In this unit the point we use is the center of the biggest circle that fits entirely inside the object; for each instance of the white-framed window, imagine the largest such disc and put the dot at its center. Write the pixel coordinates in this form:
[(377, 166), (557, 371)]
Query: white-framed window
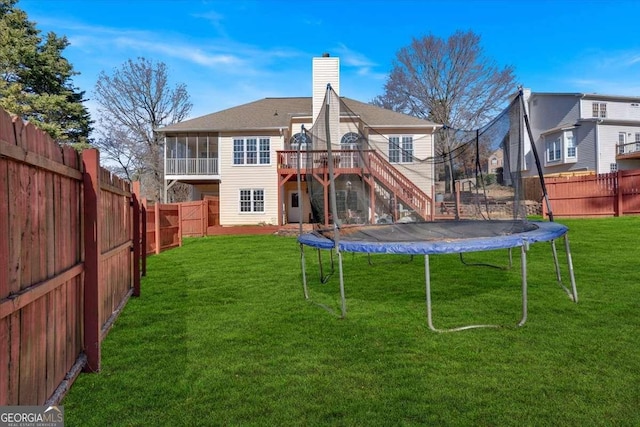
[(599, 110), (613, 167), (400, 149), (570, 146), (622, 140), (251, 151), (351, 140), (301, 140), (554, 150), (251, 200)]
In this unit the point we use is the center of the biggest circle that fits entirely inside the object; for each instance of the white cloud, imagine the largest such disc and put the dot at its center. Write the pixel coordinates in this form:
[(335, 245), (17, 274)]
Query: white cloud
[(184, 51)]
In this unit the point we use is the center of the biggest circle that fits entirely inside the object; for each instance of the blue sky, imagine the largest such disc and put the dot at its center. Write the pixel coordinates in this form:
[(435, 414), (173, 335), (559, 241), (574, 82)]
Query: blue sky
[(232, 52)]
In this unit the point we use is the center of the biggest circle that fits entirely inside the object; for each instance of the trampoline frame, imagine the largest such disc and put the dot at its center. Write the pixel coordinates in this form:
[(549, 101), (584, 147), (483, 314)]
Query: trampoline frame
[(549, 231)]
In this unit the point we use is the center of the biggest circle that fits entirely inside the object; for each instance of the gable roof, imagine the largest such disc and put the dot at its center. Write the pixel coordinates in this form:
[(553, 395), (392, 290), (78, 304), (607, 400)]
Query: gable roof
[(276, 113), (590, 96)]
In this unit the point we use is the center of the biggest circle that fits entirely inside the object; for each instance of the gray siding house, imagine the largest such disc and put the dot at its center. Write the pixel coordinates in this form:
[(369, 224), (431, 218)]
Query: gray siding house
[(576, 132)]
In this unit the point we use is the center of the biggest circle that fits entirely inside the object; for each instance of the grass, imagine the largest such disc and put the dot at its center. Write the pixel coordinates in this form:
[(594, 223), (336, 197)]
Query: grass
[(223, 336)]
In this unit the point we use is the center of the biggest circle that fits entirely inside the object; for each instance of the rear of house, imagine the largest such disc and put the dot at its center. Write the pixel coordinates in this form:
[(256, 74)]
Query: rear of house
[(246, 156)]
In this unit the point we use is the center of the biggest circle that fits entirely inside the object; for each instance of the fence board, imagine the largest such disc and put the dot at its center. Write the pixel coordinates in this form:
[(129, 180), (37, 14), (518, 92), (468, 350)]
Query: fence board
[(4, 231)]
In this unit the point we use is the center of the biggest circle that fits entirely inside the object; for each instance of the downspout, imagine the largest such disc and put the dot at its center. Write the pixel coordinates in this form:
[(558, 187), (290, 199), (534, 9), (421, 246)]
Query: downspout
[(597, 144), (164, 172)]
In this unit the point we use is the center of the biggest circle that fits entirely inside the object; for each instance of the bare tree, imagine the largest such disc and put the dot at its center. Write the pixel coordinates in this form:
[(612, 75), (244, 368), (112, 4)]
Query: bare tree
[(450, 82), (134, 101)]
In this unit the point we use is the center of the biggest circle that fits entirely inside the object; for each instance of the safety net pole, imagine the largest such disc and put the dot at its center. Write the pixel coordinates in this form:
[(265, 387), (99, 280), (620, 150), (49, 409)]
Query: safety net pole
[(536, 157)]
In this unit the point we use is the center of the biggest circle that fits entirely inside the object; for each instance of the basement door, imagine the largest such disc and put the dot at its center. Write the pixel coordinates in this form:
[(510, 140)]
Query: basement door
[(293, 207)]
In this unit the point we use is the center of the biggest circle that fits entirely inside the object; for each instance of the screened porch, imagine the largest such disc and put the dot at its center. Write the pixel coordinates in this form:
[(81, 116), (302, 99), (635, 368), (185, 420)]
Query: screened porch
[(191, 155)]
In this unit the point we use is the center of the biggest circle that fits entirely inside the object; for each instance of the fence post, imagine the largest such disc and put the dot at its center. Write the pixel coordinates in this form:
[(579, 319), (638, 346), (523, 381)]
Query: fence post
[(92, 238), (619, 209), (179, 224), (157, 226), (143, 243), (205, 215), (135, 205)]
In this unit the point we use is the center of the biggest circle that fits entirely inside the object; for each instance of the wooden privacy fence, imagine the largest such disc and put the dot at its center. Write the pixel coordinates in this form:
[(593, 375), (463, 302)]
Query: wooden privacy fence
[(610, 194), (69, 260), (163, 227), (173, 221)]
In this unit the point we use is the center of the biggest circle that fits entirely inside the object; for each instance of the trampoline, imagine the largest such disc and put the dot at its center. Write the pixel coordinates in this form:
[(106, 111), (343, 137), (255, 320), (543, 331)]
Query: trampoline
[(378, 194), (445, 237)]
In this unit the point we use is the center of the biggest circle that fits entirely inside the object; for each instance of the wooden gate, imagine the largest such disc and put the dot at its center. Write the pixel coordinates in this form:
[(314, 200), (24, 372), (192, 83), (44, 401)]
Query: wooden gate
[(213, 213)]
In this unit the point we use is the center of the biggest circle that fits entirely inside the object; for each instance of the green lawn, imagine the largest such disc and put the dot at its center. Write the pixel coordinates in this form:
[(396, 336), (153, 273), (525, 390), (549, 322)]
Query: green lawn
[(222, 335)]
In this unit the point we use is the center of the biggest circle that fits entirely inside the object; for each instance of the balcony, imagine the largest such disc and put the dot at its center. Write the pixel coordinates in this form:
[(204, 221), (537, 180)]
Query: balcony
[(630, 150), (196, 167)]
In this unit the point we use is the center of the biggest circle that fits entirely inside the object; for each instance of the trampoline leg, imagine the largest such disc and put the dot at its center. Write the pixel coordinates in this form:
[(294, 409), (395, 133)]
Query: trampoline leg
[(510, 258), (555, 260), (574, 290), (523, 267), (571, 293), (427, 277), (342, 297), (304, 272)]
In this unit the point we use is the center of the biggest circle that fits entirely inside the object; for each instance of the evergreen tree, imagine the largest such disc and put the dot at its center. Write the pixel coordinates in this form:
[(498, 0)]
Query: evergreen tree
[(35, 79)]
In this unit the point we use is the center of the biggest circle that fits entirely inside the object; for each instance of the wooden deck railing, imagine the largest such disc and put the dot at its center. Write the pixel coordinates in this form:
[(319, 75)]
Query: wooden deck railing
[(631, 149), (384, 172)]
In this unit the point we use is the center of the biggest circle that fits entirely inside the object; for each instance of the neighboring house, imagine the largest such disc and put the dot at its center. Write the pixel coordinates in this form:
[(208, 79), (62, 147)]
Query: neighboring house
[(495, 161), (584, 132), (246, 155)]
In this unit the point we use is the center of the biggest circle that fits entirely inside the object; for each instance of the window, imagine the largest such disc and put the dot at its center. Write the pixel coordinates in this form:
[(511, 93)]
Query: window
[(265, 151), (603, 111), (622, 140), (251, 151), (251, 200), (301, 140), (554, 150), (599, 110), (350, 139), (613, 167), (400, 149), (570, 146)]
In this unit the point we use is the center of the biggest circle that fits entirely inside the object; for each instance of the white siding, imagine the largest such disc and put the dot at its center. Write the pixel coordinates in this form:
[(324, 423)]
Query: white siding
[(420, 173), (236, 177), (616, 110), (607, 141), (325, 70)]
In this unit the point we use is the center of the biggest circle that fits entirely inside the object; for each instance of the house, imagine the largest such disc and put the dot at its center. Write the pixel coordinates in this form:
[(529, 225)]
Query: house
[(495, 161), (576, 132), (247, 156)]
